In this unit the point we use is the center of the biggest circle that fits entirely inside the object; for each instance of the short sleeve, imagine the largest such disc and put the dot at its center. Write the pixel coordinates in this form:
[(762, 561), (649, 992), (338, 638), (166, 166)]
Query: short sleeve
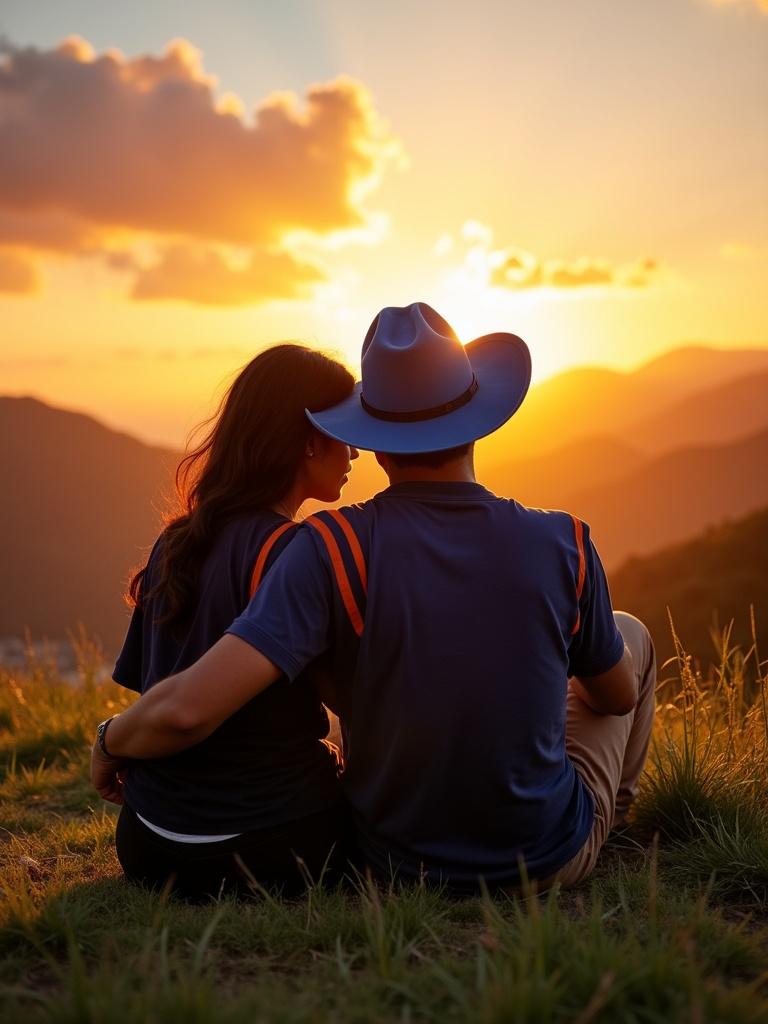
[(129, 662), (598, 645), (289, 618)]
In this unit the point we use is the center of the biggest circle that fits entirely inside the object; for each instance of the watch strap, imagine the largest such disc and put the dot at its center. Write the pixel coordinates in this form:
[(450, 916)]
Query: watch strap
[(101, 735)]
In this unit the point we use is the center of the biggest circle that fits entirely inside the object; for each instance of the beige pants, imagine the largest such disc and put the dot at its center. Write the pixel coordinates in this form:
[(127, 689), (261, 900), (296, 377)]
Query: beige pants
[(609, 752)]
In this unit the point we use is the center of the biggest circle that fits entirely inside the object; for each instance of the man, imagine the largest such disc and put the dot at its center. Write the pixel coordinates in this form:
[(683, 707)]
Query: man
[(493, 715)]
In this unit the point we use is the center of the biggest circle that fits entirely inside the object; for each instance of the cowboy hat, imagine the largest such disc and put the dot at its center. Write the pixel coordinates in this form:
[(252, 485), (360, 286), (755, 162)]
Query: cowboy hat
[(422, 390)]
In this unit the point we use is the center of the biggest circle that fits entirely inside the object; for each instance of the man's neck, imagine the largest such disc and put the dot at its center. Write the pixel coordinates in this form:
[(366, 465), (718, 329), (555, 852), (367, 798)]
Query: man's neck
[(458, 471)]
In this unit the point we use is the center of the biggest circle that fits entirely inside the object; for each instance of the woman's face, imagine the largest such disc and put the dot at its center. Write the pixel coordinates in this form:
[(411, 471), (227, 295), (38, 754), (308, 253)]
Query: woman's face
[(328, 466)]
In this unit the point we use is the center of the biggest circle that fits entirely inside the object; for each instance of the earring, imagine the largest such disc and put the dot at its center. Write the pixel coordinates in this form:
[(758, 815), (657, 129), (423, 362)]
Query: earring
[(310, 452)]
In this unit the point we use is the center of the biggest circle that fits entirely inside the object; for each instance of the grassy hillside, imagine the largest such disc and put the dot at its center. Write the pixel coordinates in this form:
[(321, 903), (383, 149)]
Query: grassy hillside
[(672, 928), (706, 583)]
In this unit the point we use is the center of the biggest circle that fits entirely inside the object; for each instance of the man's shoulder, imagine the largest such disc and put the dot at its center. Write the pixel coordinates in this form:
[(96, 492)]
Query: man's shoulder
[(359, 513), (545, 520)]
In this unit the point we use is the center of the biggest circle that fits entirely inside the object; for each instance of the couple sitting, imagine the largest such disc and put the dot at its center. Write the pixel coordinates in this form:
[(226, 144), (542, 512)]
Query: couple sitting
[(495, 711)]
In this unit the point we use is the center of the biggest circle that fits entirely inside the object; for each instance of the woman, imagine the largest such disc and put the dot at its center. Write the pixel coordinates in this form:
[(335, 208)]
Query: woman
[(258, 800)]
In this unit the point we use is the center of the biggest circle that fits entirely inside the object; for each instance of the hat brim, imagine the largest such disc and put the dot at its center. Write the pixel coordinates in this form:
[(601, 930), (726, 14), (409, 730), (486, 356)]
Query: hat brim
[(502, 366)]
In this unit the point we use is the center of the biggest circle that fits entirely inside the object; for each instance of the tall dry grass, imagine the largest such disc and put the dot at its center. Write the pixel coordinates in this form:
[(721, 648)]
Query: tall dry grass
[(705, 791)]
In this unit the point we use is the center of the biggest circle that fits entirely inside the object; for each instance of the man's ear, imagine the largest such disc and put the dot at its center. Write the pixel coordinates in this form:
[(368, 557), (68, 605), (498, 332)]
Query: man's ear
[(384, 461)]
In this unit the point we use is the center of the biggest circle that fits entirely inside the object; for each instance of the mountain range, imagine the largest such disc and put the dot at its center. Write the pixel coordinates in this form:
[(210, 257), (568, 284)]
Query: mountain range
[(80, 505), (703, 585), (649, 458)]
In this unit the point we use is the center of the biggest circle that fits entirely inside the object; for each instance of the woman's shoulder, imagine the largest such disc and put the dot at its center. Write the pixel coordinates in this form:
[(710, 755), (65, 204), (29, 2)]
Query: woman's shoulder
[(245, 538)]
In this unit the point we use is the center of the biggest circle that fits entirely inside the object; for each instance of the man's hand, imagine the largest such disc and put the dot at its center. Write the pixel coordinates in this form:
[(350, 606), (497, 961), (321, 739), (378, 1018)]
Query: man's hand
[(614, 692), (107, 775)]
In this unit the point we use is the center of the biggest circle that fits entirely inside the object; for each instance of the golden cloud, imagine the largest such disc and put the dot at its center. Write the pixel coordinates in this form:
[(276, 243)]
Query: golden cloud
[(52, 231), (18, 276), (97, 144), (516, 268), (206, 276), (744, 252)]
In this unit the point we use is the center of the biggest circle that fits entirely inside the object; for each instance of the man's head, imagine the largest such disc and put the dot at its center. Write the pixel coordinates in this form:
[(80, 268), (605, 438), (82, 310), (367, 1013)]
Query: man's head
[(422, 391), (451, 464), (428, 460)]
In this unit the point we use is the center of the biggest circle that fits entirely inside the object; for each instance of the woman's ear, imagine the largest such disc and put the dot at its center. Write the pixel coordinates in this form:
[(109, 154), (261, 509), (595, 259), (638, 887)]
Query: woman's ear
[(314, 444)]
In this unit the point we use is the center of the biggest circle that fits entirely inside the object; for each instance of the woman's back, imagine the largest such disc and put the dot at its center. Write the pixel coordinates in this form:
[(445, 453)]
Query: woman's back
[(264, 766), (258, 798)]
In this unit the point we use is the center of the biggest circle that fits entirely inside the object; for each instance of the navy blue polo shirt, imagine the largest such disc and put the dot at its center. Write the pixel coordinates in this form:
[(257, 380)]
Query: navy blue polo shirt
[(454, 697), (264, 766)]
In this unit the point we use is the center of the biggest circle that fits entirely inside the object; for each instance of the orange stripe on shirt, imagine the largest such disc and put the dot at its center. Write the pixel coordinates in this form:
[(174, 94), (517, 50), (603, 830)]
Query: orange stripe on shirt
[(340, 572), (354, 545), (578, 527), (261, 561)]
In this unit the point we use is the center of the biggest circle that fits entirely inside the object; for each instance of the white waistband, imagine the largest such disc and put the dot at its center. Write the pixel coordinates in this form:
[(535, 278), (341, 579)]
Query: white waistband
[(181, 837)]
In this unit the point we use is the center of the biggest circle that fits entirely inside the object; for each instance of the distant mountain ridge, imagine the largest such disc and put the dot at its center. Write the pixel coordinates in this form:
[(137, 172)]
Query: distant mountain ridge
[(678, 494), (593, 401), (722, 412), (82, 503), (705, 582)]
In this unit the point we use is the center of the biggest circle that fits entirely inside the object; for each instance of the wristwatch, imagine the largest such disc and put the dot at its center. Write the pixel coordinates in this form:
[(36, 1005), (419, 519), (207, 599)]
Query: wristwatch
[(101, 733)]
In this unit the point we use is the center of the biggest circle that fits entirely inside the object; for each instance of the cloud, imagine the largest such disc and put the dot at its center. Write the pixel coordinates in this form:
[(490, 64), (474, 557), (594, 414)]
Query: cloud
[(744, 252), (207, 277), (515, 268), (98, 145), (18, 276), (53, 231)]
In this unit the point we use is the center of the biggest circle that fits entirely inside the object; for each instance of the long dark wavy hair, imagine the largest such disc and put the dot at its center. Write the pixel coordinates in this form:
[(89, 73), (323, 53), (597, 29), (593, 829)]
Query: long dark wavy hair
[(248, 458)]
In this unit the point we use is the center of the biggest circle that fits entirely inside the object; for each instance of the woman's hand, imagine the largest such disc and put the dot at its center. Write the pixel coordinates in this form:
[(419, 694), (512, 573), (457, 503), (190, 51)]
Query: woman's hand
[(107, 774)]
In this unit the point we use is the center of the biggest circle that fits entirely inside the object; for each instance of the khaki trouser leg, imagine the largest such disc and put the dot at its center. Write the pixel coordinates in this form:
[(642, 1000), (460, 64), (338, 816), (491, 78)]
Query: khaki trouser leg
[(609, 752)]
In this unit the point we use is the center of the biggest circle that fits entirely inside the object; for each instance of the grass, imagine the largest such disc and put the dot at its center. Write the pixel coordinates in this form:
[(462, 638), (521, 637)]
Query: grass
[(672, 927)]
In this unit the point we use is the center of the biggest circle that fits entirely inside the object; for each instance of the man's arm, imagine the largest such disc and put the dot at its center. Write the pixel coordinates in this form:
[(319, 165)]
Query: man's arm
[(613, 692), (287, 619), (182, 710)]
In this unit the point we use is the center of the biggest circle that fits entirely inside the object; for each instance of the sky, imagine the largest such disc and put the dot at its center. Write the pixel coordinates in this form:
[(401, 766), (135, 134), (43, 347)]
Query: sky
[(183, 183)]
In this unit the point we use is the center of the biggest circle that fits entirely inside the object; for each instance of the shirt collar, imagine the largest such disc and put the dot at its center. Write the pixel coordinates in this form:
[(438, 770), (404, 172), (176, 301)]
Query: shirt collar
[(438, 489)]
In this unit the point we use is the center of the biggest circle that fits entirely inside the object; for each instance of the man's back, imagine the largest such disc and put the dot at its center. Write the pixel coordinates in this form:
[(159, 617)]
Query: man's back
[(454, 696)]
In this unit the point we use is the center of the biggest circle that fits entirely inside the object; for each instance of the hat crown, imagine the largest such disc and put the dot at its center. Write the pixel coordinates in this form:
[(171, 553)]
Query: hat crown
[(412, 360)]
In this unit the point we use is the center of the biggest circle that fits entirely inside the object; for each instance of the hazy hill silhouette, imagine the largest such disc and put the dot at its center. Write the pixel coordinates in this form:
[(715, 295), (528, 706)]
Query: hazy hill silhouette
[(82, 502), (716, 414), (588, 426), (705, 581), (80, 505), (675, 496), (545, 480), (699, 366), (597, 402), (633, 504), (548, 479)]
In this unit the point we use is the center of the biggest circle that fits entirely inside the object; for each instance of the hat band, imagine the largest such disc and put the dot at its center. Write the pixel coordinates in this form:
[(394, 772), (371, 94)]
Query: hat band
[(421, 414)]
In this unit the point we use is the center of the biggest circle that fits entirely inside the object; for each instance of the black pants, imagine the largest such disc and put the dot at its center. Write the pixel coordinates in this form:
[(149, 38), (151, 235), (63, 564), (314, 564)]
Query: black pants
[(285, 859)]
